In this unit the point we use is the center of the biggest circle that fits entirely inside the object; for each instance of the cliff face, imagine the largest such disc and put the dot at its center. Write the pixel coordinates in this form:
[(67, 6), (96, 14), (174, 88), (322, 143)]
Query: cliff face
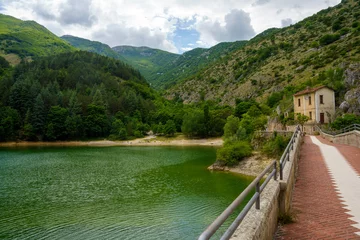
[(351, 103)]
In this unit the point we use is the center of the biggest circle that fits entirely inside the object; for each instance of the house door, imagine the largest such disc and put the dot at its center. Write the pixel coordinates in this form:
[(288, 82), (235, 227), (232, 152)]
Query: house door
[(322, 118)]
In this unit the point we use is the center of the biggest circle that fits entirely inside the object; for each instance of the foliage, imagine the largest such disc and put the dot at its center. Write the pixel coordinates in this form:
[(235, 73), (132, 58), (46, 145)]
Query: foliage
[(301, 119), (275, 146), (170, 128), (193, 124), (345, 121), (328, 39), (232, 152), (27, 38), (231, 127)]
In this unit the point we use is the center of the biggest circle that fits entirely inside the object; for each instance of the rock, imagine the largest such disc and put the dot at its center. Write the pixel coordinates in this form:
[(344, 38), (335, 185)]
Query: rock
[(352, 75), (298, 69), (352, 97), (344, 106), (278, 110)]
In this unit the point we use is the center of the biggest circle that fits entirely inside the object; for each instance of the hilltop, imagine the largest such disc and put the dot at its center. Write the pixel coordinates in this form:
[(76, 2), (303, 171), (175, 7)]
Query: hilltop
[(92, 46), (161, 69), (28, 40)]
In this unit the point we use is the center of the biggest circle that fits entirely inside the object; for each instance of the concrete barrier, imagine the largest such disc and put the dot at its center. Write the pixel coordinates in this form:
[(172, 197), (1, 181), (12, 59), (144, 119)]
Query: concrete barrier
[(275, 199), (350, 138)]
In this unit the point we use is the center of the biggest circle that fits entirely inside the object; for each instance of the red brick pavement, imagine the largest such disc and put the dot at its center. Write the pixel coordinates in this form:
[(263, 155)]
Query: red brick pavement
[(319, 213), (352, 154)]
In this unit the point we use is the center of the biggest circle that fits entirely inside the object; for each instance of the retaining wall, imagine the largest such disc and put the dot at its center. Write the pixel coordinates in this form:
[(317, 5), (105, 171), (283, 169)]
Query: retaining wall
[(350, 138), (275, 199)]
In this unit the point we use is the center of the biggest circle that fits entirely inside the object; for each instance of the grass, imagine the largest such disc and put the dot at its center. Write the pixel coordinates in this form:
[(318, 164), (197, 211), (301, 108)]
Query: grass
[(28, 38)]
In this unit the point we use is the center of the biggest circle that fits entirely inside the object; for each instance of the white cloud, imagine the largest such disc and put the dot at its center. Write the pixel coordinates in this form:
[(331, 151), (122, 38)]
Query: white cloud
[(286, 22), (235, 26), (154, 22), (186, 49)]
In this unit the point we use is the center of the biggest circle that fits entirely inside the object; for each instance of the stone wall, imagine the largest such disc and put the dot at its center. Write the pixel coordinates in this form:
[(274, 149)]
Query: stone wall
[(350, 138), (275, 199)]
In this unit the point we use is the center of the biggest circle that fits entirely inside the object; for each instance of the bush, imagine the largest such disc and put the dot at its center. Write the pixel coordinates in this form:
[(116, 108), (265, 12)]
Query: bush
[(233, 152), (329, 38), (344, 121), (275, 147)]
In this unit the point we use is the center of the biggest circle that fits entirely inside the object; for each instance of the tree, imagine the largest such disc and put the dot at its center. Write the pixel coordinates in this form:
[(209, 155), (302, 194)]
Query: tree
[(193, 124), (38, 115), (96, 122), (56, 127), (231, 127), (170, 128), (27, 132), (301, 119), (118, 129), (233, 152)]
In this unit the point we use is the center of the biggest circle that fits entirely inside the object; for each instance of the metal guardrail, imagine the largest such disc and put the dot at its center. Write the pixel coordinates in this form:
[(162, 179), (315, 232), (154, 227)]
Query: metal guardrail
[(286, 155), (212, 228), (353, 127)]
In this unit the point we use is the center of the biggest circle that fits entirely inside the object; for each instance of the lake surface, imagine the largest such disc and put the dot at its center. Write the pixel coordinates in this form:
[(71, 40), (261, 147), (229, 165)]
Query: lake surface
[(111, 192)]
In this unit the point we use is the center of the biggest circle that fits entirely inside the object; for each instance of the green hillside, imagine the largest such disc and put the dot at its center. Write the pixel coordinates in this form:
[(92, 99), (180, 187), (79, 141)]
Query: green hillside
[(318, 50), (28, 40), (191, 62), (149, 61), (92, 46)]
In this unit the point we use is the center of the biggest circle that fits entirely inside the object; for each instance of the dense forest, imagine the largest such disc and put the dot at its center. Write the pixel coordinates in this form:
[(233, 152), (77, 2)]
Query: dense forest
[(82, 95)]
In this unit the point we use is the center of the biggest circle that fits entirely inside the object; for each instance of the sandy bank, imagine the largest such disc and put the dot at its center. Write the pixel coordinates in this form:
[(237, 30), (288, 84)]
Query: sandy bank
[(251, 166), (147, 141)]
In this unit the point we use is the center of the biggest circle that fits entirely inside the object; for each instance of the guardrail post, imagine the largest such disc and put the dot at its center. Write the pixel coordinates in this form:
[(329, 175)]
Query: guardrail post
[(281, 171), (275, 168), (288, 153), (258, 198)]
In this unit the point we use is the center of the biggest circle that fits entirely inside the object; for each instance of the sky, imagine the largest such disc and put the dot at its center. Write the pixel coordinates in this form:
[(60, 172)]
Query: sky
[(171, 25)]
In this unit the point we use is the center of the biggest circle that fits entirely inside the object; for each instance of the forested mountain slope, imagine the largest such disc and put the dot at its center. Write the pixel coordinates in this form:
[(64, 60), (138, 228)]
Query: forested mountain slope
[(191, 62), (149, 61), (71, 96), (321, 49), (92, 46), (28, 40)]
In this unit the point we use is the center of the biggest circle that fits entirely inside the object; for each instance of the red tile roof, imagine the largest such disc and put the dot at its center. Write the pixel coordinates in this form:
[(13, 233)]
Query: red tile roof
[(309, 90)]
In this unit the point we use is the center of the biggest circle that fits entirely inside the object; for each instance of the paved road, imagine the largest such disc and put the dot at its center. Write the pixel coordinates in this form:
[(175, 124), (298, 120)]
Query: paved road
[(326, 198)]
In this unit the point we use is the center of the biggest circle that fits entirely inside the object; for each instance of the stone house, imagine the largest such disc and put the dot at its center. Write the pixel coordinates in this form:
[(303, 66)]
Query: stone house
[(317, 103)]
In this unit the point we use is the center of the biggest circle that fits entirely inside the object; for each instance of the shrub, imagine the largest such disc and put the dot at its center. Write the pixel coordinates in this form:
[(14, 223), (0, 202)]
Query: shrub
[(233, 152), (275, 147), (329, 38), (344, 121)]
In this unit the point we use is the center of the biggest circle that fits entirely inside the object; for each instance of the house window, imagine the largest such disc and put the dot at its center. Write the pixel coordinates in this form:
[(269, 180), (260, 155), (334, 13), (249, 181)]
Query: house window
[(310, 115), (299, 104), (321, 99), (309, 100)]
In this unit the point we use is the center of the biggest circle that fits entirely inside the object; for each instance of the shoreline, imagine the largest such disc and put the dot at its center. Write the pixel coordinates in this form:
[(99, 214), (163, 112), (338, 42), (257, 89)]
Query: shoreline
[(147, 141), (251, 166)]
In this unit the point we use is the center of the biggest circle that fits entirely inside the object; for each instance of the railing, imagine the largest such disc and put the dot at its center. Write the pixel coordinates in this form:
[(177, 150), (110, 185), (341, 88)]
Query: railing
[(286, 155), (353, 127), (210, 231)]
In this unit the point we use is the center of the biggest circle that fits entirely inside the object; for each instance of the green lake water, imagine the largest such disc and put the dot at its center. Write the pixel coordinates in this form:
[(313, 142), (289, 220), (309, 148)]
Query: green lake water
[(111, 192)]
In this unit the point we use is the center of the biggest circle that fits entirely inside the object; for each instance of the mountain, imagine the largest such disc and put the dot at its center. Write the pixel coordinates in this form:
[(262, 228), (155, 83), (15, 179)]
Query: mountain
[(321, 49), (191, 62), (149, 61), (162, 69), (28, 40), (92, 46)]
